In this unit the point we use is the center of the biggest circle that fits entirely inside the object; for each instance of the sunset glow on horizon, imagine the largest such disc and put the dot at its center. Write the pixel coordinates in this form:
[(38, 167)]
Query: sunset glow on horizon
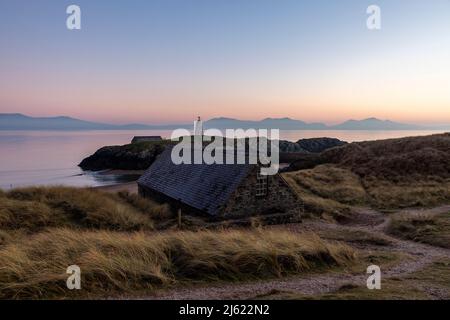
[(165, 61)]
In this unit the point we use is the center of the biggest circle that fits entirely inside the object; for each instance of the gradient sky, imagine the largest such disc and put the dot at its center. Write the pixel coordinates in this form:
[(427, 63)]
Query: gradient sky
[(161, 61)]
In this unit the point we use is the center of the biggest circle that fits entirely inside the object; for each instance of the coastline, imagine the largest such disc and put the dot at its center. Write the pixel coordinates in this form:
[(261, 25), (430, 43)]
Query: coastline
[(130, 187), (121, 172)]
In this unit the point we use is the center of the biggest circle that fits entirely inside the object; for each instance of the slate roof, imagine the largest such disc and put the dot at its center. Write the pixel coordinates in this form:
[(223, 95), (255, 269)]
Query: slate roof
[(201, 186)]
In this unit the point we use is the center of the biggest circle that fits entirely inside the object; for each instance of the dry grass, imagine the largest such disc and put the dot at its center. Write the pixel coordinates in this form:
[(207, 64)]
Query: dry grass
[(358, 237), (436, 274), (395, 159), (324, 207), (391, 289), (385, 194), (30, 215), (5, 237), (331, 188), (331, 182), (385, 174), (156, 211), (416, 286), (36, 208), (426, 228), (117, 263), (45, 230)]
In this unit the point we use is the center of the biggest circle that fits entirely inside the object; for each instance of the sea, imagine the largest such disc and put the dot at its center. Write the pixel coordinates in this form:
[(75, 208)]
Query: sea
[(30, 158)]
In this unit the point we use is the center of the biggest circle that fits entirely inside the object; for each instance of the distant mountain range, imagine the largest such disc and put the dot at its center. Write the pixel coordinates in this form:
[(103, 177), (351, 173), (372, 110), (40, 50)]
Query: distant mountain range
[(17, 121), (281, 123)]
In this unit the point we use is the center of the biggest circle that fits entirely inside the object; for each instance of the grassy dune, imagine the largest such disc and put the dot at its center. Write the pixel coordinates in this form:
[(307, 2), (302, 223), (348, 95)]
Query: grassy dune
[(327, 191), (122, 263), (112, 238), (33, 209), (407, 192), (331, 182), (315, 203), (329, 188), (385, 174), (426, 228)]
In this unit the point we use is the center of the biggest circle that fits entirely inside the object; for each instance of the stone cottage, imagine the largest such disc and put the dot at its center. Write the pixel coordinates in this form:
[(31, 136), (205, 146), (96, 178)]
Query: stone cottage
[(219, 191)]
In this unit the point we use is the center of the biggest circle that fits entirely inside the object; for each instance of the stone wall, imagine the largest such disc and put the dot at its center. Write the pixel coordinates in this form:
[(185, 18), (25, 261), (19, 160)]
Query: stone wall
[(280, 198), (244, 202)]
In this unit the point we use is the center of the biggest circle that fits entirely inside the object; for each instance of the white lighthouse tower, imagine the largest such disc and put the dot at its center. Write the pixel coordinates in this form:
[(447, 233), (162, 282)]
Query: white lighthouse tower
[(198, 127)]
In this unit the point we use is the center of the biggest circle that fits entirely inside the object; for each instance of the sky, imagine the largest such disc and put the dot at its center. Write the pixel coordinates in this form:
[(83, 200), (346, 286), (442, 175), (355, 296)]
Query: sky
[(168, 61)]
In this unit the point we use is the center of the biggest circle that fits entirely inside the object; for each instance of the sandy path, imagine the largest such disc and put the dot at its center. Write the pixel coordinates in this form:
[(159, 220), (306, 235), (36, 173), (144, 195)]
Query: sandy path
[(313, 284)]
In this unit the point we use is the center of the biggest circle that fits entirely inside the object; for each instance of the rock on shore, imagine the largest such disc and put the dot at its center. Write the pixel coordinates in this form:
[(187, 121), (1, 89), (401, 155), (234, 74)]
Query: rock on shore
[(136, 156)]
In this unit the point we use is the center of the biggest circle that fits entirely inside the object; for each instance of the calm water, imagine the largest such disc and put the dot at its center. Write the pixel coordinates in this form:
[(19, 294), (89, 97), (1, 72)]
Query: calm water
[(51, 157)]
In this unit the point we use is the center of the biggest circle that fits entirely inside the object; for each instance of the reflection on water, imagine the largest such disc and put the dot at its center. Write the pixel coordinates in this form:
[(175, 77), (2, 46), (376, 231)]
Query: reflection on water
[(51, 158), (71, 177)]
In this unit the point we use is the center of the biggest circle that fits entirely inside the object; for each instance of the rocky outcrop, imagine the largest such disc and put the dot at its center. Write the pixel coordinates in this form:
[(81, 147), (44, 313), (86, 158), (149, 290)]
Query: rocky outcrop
[(291, 147), (137, 156), (317, 145), (312, 145)]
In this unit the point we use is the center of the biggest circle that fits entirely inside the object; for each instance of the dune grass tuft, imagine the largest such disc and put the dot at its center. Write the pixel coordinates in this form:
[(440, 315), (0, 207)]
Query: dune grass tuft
[(119, 263), (5, 237), (407, 192), (325, 207), (331, 182), (159, 212), (29, 215), (331, 188), (38, 207), (422, 227)]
